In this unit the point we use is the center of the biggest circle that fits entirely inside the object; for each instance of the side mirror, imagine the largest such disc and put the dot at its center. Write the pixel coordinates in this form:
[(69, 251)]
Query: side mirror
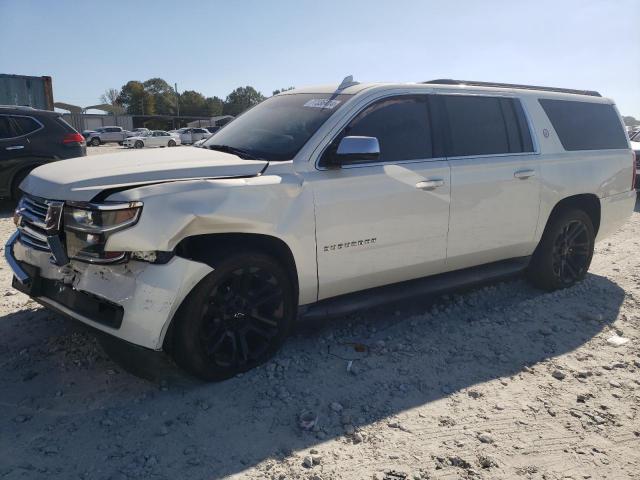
[(357, 150)]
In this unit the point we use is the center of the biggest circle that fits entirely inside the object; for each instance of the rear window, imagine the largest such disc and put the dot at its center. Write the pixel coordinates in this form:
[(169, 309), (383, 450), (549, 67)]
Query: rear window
[(25, 125), (584, 125), (485, 126)]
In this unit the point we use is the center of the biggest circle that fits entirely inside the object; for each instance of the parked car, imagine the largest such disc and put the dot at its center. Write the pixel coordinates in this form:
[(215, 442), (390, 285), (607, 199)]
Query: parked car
[(30, 138), (153, 138), (321, 201), (106, 135), (192, 135)]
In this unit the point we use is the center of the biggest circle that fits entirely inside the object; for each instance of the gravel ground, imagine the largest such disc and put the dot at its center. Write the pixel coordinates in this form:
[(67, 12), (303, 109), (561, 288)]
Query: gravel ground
[(503, 381)]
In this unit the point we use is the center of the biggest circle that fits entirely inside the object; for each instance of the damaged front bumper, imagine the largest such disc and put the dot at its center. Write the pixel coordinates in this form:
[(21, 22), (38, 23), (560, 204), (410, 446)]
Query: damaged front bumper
[(134, 301)]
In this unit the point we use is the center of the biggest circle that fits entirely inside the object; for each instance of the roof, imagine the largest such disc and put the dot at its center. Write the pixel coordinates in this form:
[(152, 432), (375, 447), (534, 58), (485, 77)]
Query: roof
[(457, 85), (24, 109)]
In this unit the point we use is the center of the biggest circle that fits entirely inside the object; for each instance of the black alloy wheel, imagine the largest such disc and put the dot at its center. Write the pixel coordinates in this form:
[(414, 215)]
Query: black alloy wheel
[(235, 318), (242, 317), (564, 253), (571, 253)]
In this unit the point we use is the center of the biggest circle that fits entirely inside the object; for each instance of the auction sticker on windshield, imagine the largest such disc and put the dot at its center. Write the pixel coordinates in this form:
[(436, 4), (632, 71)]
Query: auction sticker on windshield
[(321, 103)]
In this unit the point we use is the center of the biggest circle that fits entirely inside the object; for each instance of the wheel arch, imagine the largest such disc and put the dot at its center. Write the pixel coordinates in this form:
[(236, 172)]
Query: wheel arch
[(206, 248), (587, 202)]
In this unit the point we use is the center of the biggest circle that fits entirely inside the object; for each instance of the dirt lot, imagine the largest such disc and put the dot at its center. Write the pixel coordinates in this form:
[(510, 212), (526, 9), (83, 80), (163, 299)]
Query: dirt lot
[(500, 382)]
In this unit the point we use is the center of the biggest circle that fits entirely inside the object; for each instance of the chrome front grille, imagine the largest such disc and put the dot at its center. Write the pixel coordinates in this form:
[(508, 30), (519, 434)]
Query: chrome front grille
[(33, 223)]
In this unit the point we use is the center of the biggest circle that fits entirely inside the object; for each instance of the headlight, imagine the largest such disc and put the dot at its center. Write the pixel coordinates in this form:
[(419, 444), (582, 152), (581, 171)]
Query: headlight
[(88, 226)]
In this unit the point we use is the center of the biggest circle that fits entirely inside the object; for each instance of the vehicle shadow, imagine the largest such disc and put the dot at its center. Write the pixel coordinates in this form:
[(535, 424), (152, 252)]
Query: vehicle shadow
[(68, 411)]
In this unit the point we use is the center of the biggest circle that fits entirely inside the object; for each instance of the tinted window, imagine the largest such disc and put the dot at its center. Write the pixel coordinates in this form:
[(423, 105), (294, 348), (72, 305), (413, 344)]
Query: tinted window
[(400, 124), (584, 125), (477, 125), (112, 129), (5, 127), (25, 125)]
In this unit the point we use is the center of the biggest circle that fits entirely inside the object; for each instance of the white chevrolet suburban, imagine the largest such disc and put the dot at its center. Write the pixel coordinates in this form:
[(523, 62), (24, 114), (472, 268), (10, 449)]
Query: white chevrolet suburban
[(319, 201)]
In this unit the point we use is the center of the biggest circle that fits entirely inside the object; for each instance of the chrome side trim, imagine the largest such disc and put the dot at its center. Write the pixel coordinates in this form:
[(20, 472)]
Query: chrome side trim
[(20, 274)]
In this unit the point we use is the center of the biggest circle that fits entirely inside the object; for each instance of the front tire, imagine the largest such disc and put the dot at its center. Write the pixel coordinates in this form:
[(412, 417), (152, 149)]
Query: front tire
[(138, 144), (236, 318), (564, 253), (95, 141)]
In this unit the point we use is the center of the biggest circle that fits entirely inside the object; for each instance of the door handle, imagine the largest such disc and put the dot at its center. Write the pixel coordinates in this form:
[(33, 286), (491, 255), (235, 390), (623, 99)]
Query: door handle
[(524, 174), (16, 147), (430, 184)]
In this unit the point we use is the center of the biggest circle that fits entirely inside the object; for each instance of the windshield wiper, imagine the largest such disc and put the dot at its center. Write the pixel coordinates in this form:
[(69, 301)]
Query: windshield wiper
[(234, 151)]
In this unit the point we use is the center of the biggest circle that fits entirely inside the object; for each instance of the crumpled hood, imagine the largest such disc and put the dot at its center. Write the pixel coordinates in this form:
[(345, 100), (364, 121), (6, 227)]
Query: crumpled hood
[(83, 178)]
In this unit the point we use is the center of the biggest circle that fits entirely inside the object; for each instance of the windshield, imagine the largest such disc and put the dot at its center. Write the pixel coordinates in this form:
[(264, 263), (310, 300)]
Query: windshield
[(277, 128)]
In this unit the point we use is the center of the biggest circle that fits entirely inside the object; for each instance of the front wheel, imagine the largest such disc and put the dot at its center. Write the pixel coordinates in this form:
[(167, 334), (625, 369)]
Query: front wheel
[(138, 144), (565, 251), (95, 141), (235, 318)]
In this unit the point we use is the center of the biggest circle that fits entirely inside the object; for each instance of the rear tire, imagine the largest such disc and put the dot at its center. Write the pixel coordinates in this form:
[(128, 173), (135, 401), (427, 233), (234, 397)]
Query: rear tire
[(564, 253), (236, 318), (171, 143)]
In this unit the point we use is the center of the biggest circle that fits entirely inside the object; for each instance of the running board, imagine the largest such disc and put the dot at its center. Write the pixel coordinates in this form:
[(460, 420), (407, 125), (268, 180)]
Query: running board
[(435, 284)]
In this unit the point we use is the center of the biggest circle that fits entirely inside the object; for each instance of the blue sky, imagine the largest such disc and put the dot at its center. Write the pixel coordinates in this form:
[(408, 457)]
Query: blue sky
[(215, 46)]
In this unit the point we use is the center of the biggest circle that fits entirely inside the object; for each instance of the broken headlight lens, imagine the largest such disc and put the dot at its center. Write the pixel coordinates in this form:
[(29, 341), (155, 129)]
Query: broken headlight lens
[(88, 226)]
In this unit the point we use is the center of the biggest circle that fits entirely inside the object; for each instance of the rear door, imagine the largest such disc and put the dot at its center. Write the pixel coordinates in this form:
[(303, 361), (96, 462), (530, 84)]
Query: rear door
[(495, 187)]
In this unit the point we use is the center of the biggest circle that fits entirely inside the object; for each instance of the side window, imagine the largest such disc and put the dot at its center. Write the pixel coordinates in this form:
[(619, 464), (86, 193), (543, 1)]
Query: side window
[(401, 125), (25, 125), (477, 125), (585, 125), (5, 128)]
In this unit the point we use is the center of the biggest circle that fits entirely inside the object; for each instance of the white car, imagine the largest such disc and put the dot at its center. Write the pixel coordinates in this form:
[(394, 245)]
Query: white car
[(321, 201), (192, 135), (153, 138)]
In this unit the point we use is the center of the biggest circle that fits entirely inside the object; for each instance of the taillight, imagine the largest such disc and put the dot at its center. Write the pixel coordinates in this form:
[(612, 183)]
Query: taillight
[(72, 138)]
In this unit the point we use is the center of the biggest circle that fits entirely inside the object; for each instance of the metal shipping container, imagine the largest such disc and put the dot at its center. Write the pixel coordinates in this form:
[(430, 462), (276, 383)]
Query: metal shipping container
[(27, 91)]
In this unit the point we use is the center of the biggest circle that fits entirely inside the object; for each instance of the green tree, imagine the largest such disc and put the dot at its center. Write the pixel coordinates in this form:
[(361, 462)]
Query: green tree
[(280, 90), (192, 103), (163, 94), (135, 99), (241, 99), (214, 106)]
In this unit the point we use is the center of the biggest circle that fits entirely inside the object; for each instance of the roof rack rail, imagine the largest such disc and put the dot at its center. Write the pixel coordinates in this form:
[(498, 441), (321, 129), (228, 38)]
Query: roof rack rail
[(449, 81)]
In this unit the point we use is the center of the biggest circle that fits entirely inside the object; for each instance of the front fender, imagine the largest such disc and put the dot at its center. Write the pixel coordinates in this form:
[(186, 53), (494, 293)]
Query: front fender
[(280, 206)]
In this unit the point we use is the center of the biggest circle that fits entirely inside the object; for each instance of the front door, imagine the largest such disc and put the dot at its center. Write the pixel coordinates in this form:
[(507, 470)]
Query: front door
[(379, 223)]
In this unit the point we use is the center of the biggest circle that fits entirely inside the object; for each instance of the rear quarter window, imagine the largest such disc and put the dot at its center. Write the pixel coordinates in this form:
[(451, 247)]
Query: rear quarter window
[(25, 125), (584, 125)]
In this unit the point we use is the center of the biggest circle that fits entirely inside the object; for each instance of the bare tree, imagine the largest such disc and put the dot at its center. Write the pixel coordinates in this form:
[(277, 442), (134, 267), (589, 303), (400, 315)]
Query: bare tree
[(111, 97)]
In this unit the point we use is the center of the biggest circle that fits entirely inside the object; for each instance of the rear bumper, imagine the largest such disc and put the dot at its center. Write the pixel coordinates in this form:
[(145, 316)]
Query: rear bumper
[(615, 210), (134, 301)]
